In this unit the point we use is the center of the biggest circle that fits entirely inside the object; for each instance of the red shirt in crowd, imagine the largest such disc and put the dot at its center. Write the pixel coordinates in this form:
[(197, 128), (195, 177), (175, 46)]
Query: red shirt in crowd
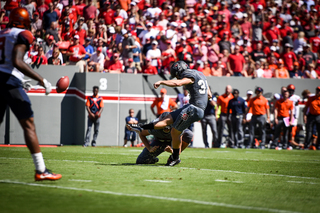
[(82, 33), (115, 66), (150, 70), (77, 50), (75, 12), (41, 9), (89, 12), (80, 8), (11, 4), (315, 41), (288, 59), (236, 62), (44, 59), (108, 16)]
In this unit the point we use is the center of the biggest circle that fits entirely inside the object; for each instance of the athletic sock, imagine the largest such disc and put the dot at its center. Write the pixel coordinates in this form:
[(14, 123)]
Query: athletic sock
[(148, 126), (38, 162), (176, 153)]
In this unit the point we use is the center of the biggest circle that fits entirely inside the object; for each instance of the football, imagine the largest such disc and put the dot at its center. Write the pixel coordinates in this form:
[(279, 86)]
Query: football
[(62, 84)]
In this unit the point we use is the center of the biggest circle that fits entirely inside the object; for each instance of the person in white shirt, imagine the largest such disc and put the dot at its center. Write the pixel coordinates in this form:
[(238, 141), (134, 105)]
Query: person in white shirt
[(148, 33), (171, 34), (258, 73), (155, 55), (97, 61)]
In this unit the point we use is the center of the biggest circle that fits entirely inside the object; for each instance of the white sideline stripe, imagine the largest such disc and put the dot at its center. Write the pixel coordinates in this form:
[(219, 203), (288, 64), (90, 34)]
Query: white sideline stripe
[(80, 180), (210, 170), (228, 181), (155, 197), (301, 182), (159, 181)]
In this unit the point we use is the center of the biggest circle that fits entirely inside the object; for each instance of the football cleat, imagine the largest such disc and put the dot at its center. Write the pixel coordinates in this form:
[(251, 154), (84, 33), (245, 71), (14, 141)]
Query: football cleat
[(172, 162), (93, 143), (134, 127), (46, 175), (289, 148)]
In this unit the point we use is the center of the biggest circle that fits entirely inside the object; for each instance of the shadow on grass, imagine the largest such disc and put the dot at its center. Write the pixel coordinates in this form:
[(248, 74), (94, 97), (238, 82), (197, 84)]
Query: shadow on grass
[(129, 164)]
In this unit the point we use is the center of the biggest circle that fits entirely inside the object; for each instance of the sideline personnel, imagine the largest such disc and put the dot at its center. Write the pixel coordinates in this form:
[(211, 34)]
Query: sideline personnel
[(260, 107), (94, 107)]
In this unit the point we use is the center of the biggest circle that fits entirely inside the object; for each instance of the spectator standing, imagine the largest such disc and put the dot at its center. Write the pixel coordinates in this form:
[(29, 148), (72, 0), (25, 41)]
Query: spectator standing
[(137, 56), (130, 135), (311, 117), (283, 109), (258, 54), (76, 53), (213, 52), (94, 106), (260, 108), (163, 104), (210, 118), (89, 11), (224, 44), (238, 107), (223, 101), (296, 71), (155, 55), (128, 44), (289, 58), (36, 23), (308, 55), (53, 30), (236, 62), (49, 16)]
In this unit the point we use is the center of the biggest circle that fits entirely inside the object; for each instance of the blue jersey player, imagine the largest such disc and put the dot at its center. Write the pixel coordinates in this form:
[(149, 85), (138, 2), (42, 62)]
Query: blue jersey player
[(196, 83)]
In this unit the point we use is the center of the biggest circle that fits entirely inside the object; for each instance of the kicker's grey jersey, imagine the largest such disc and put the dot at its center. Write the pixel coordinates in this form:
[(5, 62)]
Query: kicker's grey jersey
[(198, 90)]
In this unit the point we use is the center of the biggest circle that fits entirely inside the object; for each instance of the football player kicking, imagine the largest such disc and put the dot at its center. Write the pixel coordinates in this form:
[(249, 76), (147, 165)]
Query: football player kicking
[(15, 41), (160, 143), (196, 83)]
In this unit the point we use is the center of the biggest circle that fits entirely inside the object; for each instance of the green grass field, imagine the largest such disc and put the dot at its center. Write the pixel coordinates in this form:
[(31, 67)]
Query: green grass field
[(105, 179)]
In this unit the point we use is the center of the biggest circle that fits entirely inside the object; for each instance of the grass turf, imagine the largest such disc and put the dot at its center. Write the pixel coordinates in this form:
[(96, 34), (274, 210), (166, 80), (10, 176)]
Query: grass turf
[(105, 179)]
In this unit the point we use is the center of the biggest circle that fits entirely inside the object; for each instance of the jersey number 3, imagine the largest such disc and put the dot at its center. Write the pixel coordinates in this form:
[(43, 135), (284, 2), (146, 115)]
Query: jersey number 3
[(203, 87), (2, 44)]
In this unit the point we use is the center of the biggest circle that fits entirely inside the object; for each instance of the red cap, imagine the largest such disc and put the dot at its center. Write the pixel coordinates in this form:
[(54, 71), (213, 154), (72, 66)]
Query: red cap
[(116, 54), (168, 41), (35, 13), (130, 60), (99, 49), (163, 91), (193, 20), (51, 37)]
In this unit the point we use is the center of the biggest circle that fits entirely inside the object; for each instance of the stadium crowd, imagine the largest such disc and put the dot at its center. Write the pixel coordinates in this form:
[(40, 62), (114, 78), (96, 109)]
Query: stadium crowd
[(249, 38)]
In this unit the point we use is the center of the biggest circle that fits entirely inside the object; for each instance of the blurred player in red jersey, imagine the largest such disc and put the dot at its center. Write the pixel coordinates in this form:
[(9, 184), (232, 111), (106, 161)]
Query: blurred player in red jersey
[(14, 43)]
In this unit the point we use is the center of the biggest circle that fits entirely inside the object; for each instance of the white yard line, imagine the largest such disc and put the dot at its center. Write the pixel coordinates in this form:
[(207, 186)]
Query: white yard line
[(80, 180), (229, 181), (301, 182), (154, 197), (210, 170), (159, 181)]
